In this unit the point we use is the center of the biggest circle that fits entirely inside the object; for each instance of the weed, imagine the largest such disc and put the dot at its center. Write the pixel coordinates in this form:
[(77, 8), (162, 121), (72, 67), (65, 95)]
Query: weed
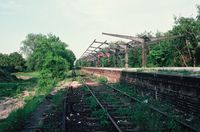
[(92, 102), (15, 88), (16, 118), (102, 115), (142, 115), (123, 111), (84, 89), (109, 98), (102, 80)]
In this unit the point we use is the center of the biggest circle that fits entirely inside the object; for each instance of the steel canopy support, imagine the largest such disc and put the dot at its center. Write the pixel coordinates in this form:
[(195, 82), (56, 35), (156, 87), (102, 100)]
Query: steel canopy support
[(144, 54), (126, 56), (137, 39), (144, 41), (134, 39)]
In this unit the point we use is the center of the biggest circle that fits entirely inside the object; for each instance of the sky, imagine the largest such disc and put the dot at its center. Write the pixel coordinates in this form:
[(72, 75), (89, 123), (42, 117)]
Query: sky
[(79, 22)]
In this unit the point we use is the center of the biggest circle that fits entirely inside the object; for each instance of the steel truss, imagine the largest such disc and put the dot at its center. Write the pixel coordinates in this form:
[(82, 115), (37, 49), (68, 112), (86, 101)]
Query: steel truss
[(119, 48)]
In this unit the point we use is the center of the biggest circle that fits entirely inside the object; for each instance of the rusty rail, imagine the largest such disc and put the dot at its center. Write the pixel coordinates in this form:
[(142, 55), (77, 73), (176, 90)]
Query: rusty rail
[(183, 124), (102, 107)]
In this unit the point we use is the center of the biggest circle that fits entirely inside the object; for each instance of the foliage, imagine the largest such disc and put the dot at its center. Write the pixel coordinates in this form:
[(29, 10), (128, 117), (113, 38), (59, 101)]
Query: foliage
[(49, 56), (15, 88), (38, 47), (135, 58), (92, 102), (160, 55), (56, 66), (58, 97), (181, 51), (84, 63), (16, 118), (102, 115), (187, 45), (141, 115), (198, 12), (54, 118), (6, 76), (102, 80), (31, 42), (17, 61), (13, 61), (109, 98), (4, 60), (147, 119)]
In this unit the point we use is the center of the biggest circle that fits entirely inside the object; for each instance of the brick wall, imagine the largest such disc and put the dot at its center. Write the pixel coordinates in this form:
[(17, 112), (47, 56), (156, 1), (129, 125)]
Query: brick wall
[(182, 91), (111, 74)]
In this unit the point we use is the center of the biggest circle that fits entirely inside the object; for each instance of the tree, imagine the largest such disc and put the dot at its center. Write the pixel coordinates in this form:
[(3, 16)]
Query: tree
[(186, 45), (12, 62), (42, 46), (4, 60), (69, 56), (17, 61), (55, 65), (198, 12), (31, 42)]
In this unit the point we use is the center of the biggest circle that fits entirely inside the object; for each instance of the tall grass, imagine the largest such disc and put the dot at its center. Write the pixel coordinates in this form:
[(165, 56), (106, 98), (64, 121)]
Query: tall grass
[(16, 119), (12, 89)]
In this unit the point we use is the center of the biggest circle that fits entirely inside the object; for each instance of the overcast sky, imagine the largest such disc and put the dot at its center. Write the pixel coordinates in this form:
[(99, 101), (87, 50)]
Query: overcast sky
[(79, 22)]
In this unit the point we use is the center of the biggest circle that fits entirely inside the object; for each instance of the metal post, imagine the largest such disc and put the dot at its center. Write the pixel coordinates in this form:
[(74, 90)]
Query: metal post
[(126, 56), (144, 54)]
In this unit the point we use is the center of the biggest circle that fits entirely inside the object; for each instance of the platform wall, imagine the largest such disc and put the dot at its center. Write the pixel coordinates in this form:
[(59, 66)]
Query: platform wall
[(182, 91), (113, 75)]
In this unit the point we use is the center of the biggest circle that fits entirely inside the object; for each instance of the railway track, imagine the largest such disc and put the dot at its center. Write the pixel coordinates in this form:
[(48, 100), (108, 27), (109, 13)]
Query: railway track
[(78, 114), (185, 127), (117, 122)]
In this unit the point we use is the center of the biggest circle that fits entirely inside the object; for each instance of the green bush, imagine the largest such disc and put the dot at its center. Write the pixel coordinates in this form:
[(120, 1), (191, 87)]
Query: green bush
[(92, 102), (102, 80), (102, 114), (16, 119)]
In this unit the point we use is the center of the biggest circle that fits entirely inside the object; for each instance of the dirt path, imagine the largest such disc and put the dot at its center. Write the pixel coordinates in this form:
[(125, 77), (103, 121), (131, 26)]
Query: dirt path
[(38, 116), (9, 104)]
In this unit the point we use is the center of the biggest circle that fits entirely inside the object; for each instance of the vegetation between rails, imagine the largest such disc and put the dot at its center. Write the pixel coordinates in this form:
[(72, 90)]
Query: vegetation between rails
[(97, 112), (102, 115), (141, 114)]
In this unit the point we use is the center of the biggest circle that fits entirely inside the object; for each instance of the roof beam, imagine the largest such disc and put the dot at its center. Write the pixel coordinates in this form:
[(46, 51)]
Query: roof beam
[(137, 39)]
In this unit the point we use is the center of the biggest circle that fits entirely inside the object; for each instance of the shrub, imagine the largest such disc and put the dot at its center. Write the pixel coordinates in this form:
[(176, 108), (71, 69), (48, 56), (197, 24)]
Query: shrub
[(102, 80)]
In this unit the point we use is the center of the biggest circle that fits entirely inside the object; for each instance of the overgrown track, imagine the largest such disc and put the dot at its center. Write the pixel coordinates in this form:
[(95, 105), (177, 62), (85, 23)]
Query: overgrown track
[(78, 115), (128, 126), (181, 123), (119, 123)]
